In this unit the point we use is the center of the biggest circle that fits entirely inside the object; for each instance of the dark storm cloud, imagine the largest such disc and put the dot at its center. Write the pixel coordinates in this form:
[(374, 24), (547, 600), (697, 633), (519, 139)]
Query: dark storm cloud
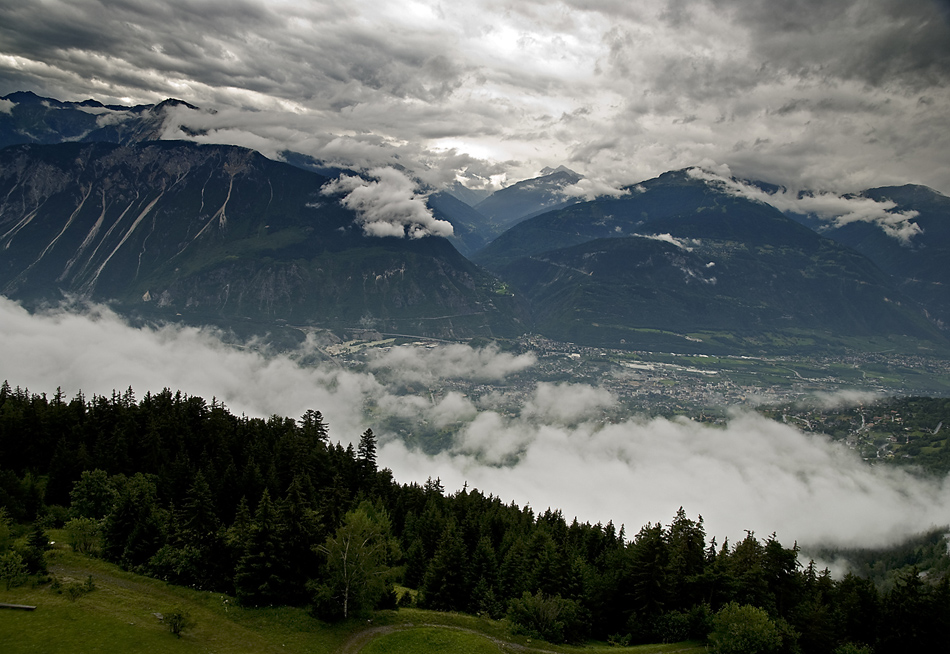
[(296, 53), (140, 43), (838, 95), (883, 42)]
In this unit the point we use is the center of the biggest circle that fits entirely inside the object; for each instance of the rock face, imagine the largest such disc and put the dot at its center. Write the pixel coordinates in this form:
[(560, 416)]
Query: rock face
[(221, 234)]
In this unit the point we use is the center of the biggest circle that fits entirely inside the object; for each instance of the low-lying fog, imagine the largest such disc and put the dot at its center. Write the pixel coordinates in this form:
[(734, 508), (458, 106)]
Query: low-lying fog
[(552, 451)]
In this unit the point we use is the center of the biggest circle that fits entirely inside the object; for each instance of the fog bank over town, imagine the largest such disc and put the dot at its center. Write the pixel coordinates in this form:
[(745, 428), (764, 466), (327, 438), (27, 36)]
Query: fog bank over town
[(567, 446)]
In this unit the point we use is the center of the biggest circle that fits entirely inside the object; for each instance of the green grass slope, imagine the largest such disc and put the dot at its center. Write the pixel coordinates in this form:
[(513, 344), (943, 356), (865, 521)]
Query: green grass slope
[(120, 616)]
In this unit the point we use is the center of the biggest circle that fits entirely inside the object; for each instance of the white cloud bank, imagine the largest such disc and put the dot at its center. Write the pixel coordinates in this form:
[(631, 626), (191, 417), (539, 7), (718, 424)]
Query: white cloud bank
[(672, 240), (424, 364), (835, 209), (388, 205), (556, 449), (591, 189)]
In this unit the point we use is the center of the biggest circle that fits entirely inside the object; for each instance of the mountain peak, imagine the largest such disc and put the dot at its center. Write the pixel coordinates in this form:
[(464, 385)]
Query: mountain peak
[(560, 169), (174, 102)]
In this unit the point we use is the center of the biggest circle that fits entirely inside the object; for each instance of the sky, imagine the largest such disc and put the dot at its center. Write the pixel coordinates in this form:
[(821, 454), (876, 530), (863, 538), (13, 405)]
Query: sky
[(832, 95), (549, 448)]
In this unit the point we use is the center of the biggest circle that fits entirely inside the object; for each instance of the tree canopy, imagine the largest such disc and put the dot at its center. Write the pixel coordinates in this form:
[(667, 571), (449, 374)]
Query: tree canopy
[(274, 512)]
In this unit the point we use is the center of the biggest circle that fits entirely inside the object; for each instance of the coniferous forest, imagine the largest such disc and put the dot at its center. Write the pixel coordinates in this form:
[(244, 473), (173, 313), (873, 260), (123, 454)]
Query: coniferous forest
[(274, 512)]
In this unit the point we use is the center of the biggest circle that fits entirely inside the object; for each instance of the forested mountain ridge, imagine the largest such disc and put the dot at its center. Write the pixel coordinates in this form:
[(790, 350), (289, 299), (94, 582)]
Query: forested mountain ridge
[(677, 264), (220, 234), (183, 490), (917, 264)]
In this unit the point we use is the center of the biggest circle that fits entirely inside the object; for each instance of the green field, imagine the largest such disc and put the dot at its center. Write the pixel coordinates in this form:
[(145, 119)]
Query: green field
[(120, 615)]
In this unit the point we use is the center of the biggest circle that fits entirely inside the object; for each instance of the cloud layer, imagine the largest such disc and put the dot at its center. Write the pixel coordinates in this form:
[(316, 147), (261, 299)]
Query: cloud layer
[(388, 205), (835, 209), (558, 445), (836, 95)]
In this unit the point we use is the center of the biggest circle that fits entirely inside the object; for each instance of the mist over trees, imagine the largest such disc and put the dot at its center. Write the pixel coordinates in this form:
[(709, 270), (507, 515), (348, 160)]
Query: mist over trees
[(273, 512)]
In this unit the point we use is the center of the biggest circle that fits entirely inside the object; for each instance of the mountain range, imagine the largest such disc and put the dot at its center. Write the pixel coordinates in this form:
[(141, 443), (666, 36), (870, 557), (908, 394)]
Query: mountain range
[(94, 204), (210, 233), (678, 264), (34, 119)]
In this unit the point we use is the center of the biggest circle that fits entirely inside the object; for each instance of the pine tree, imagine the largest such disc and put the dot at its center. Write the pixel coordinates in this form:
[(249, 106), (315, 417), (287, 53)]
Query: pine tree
[(198, 519), (446, 586), (687, 559), (302, 529), (134, 529), (199, 545), (366, 452), (34, 556), (259, 577)]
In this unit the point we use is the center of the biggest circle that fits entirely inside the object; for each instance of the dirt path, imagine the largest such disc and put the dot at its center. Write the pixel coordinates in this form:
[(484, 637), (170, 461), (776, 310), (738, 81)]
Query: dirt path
[(360, 639), (357, 641)]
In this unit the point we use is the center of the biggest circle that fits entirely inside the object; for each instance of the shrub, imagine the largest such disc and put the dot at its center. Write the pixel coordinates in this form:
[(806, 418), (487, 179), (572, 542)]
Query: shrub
[(852, 648), (743, 629), (553, 618), (405, 600), (83, 535), (12, 569), (177, 621), (672, 627), (76, 590)]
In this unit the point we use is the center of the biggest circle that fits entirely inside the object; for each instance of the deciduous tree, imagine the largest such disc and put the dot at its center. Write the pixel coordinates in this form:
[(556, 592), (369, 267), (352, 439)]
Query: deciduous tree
[(358, 560)]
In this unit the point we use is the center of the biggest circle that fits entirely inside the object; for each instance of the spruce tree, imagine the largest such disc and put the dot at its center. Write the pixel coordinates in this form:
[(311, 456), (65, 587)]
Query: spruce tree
[(446, 586), (366, 452), (34, 555), (259, 577)]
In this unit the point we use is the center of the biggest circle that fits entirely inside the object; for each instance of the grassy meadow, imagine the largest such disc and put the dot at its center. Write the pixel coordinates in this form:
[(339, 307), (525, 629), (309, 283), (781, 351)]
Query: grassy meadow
[(122, 613)]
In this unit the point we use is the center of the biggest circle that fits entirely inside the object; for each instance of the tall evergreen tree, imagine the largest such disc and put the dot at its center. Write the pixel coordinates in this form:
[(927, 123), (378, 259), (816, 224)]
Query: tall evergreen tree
[(34, 555), (687, 559), (446, 585), (366, 452), (303, 529), (135, 528), (259, 578)]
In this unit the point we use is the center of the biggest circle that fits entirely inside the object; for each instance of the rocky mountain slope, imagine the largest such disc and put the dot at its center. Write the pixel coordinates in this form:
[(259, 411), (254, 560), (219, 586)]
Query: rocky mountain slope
[(222, 234), (529, 197)]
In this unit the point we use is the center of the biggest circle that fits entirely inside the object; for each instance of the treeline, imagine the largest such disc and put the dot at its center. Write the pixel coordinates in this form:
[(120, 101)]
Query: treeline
[(275, 513)]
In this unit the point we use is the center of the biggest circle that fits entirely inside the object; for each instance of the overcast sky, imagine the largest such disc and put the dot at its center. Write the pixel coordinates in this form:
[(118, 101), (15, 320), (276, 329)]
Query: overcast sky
[(836, 95)]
